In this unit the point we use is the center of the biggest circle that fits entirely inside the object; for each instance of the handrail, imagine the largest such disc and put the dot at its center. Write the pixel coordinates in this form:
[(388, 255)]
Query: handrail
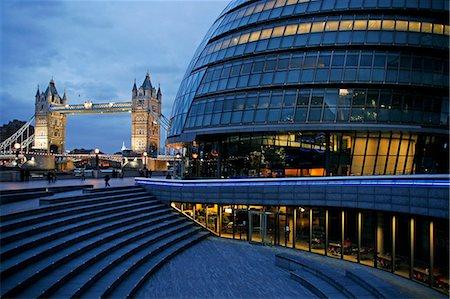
[(191, 218)]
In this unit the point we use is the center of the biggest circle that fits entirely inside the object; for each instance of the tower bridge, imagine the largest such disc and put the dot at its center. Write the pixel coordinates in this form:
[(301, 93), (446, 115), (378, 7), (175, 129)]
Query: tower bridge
[(51, 111)]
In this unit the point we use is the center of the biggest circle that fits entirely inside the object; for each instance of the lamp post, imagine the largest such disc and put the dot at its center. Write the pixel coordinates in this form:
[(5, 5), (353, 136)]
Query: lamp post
[(97, 151), (17, 148), (145, 163)]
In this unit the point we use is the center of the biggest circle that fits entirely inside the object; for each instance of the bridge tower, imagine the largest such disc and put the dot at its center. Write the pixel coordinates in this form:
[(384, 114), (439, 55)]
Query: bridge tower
[(145, 130), (50, 127)]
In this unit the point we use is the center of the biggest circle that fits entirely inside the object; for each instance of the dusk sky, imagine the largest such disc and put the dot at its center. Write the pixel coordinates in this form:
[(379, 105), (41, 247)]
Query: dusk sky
[(94, 50)]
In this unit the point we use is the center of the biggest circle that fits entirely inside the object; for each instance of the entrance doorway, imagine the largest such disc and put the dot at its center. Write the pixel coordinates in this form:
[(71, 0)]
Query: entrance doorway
[(261, 227)]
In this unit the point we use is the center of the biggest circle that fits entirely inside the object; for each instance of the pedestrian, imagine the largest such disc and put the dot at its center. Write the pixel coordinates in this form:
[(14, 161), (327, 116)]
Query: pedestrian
[(107, 178), (49, 177), (82, 174), (150, 174), (53, 176)]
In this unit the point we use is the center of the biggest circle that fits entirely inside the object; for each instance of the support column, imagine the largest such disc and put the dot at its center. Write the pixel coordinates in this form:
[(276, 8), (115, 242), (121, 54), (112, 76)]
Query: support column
[(431, 278), (219, 207), (359, 236), (342, 233), (294, 226), (326, 231), (310, 227), (411, 248), (393, 238)]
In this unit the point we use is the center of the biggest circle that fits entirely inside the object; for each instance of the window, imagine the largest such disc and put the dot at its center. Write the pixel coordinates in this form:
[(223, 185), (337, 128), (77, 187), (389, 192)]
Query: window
[(346, 25), (360, 25), (290, 30), (317, 26), (304, 28), (254, 36), (244, 38), (332, 26), (278, 31), (266, 33), (388, 25), (401, 25), (374, 25)]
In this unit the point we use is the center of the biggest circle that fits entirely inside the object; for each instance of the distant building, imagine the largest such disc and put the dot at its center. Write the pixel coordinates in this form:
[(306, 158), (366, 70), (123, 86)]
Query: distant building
[(146, 108), (10, 128), (50, 126)]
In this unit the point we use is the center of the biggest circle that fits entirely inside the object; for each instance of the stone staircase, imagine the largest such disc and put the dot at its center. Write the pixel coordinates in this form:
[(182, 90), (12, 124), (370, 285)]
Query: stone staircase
[(104, 243), (326, 281)]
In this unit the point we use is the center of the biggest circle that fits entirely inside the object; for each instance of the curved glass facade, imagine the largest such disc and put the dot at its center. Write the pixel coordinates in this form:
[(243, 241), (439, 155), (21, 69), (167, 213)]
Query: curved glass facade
[(366, 80)]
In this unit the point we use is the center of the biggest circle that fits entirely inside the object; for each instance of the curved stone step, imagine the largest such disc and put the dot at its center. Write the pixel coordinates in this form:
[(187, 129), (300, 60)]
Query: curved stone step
[(118, 286), (19, 246), (39, 215), (13, 216), (65, 220), (106, 269), (164, 258), (24, 282), (37, 253)]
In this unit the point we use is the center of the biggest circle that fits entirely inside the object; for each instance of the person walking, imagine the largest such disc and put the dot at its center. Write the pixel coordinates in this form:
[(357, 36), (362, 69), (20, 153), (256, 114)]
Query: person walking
[(82, 174), (107, 178)]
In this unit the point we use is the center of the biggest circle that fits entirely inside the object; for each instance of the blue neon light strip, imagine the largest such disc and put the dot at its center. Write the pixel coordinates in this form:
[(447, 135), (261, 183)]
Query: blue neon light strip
[(297, 182)]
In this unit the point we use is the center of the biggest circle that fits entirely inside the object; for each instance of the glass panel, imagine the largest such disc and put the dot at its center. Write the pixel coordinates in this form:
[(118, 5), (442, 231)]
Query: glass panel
[(360, 25), (402, 245), (318, 231), (332, 26), (302, 233), (334, 233), (291, 29), (401, 25), (317, 26), (367, 239), (304, 28), (384, 241), (266, 33), (254, 36), (351, 236), (388, 25), (421, 268), (374, 25)]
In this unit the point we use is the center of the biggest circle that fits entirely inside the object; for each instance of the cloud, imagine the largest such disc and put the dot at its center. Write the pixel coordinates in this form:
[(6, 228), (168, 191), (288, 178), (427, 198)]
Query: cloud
[(95, 49)]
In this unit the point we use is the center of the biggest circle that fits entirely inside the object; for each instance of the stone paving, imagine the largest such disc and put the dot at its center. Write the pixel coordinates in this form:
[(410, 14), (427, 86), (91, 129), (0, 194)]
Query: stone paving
[(223, 268)]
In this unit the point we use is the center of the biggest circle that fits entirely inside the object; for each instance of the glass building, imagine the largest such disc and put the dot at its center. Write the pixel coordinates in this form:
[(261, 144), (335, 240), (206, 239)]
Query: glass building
[(283, 88)]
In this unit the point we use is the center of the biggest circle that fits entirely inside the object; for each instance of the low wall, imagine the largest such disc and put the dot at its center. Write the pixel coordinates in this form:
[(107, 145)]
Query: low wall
[(426, 195)]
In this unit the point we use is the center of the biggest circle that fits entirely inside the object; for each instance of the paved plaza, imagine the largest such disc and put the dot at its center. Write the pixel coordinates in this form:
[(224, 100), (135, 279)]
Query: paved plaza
[(223, 268)]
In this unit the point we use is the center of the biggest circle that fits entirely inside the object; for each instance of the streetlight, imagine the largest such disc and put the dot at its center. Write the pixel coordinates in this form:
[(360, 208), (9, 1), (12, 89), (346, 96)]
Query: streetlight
[(145, 161), (96, 151), (17, 148)]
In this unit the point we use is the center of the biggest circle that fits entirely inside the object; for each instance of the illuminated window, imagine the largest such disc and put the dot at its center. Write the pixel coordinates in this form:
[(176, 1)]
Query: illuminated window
[(234, 41), (438, 29), (254, 36), (290, 30), (332, 26), (266, 33), (259, 8), (447, 29), (401, 25), (427, 27), (317, 26), (280, 3), (225, 43), (269, 5), (346, 25), (388, 25), (360, 25), (290, 2), (278, 31), (249, 10), (414, 26), (217, 46), (304, 28), (244, 38), (374, 25)]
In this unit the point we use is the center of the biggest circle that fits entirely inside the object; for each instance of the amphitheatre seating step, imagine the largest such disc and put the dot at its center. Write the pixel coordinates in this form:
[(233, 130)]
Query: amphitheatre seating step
[(57, 207), (120, 286), (20, 245), (330, 275), (84, 254), (108, 268), (78, 243), (378, 287), (75, 216), (59, 198), (158, 261), (95, 190), (63, 210), (36, 252), (316, 285), (8, 196)]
